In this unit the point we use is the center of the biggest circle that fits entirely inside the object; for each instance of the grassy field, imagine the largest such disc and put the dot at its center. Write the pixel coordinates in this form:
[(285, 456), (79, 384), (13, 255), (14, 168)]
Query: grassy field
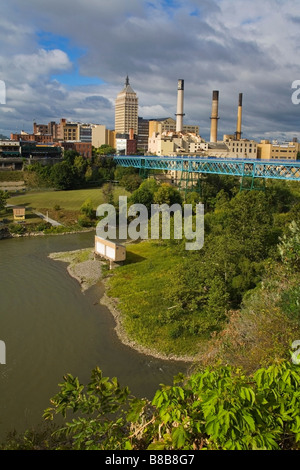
[(14, 175), (67, 200), (141, 286), (7, 215)]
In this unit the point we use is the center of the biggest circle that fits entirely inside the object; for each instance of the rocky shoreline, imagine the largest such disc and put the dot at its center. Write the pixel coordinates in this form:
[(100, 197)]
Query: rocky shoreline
[(82, 266), (88, 271), (6, 234)]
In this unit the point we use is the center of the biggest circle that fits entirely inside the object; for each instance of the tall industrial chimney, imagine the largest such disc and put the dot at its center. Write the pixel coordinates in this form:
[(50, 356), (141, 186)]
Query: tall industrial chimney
[(238, 134), (214, 117), (180, 114)]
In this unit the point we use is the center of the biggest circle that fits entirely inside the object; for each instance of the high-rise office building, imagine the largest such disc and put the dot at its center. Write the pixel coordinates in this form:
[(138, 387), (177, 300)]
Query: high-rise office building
[(126, 110), (143, 134)]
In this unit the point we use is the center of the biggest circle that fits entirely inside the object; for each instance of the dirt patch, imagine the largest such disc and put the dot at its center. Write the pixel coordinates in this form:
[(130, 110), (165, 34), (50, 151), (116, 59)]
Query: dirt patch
[(65, 217), (82, 266)]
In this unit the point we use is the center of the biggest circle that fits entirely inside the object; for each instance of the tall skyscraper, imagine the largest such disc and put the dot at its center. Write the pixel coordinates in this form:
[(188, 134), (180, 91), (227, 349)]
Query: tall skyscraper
[(126, 110)]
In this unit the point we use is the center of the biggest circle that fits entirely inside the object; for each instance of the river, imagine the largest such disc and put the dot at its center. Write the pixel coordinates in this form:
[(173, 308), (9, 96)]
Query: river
[(51, 328)]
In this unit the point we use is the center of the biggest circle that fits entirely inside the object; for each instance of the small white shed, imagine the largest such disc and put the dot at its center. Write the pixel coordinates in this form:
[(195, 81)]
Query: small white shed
[(109, 250)]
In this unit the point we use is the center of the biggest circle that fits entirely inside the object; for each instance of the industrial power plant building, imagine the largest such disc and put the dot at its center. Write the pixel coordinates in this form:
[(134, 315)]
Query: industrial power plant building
[(170, 138), (161, 137)]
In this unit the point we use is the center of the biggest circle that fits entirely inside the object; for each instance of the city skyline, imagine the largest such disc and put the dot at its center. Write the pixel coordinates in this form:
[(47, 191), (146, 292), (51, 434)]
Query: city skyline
[(70, 60)]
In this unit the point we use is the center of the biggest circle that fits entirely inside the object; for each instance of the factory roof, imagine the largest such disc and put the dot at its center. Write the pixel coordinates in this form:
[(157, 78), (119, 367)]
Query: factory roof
[(217, 145)]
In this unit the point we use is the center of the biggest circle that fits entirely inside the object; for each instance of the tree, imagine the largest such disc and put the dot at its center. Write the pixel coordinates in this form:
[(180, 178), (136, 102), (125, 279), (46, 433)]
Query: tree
[(70, 155), (289, 247), (145, 193), (128, 177), (80, 166), (131, 182), (38, 175), (62, 175), (87, 209), (167, 194), (250, 220), (193, 198), (3, 197), (108, 193), (105, 166), (105, 150)]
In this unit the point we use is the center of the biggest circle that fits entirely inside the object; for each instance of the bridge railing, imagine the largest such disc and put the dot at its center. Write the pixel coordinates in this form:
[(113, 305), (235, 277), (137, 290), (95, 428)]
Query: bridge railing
[(269, 169)]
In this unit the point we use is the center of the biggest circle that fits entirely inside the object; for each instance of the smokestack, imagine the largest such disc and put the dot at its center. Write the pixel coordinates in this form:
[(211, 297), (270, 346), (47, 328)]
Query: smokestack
[(214, 117), (180, 114), (239, 118)]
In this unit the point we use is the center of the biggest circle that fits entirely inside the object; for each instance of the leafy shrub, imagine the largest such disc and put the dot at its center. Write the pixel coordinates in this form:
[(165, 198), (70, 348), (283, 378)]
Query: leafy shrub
[(42, 226), (88, 210), (17, 229), (290, 303), (131, 182), (85, 221), (57, 229), (289, 248), (218, 408)]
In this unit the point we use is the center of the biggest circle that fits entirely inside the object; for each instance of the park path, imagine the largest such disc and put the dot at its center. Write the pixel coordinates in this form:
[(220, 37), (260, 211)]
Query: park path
[(54, 223), (47, 219)]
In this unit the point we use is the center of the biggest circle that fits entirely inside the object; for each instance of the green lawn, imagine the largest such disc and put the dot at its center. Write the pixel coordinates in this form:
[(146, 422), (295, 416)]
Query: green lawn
[(30, 217), (67, 200), (141, 285)]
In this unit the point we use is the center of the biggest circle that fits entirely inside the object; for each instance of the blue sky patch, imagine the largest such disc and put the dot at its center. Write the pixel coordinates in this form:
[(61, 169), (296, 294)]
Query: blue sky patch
[(75, 79), (50, 41)]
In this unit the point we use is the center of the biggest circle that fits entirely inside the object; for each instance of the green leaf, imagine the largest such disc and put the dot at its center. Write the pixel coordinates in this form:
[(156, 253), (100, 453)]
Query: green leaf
[(179, 437), (249, 420), (157, 445), (136, 409), (128, 445)]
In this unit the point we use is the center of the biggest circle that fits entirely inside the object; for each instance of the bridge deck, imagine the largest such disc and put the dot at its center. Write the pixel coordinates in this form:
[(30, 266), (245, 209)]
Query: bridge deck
[(273, 169)]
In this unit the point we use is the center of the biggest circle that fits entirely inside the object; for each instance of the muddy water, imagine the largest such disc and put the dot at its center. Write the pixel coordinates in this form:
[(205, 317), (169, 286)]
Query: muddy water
[(51, 328)]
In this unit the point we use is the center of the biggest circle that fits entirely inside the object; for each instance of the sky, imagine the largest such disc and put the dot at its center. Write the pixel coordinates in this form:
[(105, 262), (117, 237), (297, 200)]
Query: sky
[(70, 58)]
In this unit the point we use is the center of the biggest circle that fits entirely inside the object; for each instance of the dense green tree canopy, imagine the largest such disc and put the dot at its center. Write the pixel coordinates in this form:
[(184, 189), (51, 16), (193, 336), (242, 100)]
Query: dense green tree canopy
[(63, 175), (3, 198)]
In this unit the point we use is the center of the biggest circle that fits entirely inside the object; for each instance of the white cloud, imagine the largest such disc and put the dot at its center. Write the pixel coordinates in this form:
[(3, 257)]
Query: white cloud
[(234, 46), (28, 68)]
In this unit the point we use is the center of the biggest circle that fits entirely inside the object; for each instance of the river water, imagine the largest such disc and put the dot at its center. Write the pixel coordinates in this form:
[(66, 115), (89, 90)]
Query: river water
[(51, 328)]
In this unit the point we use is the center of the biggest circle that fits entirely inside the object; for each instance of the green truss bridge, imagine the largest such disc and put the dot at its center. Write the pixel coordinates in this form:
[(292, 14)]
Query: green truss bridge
[(243, 168)]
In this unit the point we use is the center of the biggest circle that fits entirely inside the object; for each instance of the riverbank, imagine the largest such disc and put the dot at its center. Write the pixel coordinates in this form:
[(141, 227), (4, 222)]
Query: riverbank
[(112, 304), (6, 234), (89, 271), (82, 266)]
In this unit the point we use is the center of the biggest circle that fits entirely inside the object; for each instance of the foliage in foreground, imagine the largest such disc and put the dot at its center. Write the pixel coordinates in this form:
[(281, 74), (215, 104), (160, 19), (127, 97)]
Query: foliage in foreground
[(218, 408), (3, 198)]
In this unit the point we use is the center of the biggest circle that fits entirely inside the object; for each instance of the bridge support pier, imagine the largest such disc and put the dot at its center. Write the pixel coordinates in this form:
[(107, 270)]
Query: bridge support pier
[(190, 182), (144, 173), (249, 183)]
